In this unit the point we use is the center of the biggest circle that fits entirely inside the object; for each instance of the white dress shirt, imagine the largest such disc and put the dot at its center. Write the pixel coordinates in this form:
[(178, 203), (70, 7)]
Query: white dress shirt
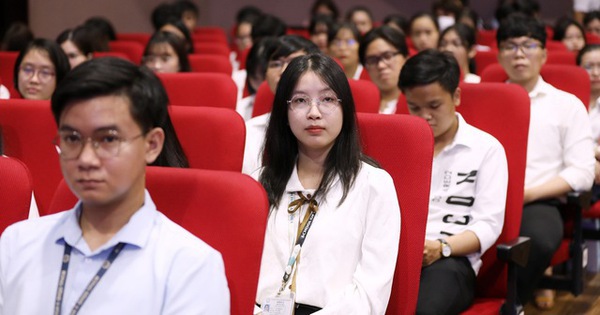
[(560, 139), (347, 263), (594, 114), (472, 78), (4, 93), (468, 189), (256, 129), (163, 269), (390, 107)]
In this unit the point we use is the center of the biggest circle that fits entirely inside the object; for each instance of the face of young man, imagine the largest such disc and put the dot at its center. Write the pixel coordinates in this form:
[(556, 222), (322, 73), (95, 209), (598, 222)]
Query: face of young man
[(437, 106), (522, 58), (104, 152)]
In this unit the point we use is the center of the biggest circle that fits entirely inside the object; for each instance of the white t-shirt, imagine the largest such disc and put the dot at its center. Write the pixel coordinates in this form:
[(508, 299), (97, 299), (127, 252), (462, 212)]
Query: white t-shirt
[(4, 93), (256, 128), (469, 179)]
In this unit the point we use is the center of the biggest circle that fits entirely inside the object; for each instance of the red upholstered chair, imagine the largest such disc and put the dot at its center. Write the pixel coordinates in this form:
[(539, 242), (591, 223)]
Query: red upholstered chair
[(555, 45), (210, 63), (561, 57), (572, 79), (488, 106), (211, 48), (133, 49), (486, 37), (16, 187), (200, 89), (212, 138), (592, 38), (141, 38), (300, 31), (213, 34), (484, 59), (7, 68), (227, 210), (100, 54), (403, 145), (28, 129), (365, 94)]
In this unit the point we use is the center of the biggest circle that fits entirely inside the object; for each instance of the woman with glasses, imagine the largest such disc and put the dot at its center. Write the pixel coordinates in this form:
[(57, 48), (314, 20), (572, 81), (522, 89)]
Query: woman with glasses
[(383, 52), (39, 68), (343, 45), (459, 40), (334, 225), (166, 53)]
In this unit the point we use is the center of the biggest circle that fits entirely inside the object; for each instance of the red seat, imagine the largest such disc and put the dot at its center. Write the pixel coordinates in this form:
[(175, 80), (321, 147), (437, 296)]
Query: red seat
[(213, 34), (486, 37), (202, 48), (28, 131), (210, 63), (141, 38), (200, 89), (7, 70), (572, 79), (300, 31), (212, 30), (212, 138), (403, 145), (16, 187), (484, 59), (100, 54), (555, 45), (365, 94), (562, 58), (592, 38), (132, 49), (227, 210), (503, 102)]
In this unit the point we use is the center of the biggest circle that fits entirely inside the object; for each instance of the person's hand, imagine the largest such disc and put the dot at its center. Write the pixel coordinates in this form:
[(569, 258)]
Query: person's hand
[(431, 252)]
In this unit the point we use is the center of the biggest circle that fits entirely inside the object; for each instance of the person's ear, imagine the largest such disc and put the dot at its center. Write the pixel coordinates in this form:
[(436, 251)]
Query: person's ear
[(456, 96), (154, 139), (472, 52)]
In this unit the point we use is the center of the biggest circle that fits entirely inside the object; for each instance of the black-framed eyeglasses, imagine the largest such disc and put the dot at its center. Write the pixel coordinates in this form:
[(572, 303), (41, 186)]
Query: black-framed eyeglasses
[(373, 61)]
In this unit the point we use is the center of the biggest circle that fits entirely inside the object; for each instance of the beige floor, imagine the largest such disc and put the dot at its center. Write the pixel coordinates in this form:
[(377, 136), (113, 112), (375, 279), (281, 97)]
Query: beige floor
[(587, 303)]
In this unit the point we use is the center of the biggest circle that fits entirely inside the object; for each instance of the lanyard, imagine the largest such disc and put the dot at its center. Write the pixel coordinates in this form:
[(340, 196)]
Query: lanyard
[(60, 291), (311, 212)]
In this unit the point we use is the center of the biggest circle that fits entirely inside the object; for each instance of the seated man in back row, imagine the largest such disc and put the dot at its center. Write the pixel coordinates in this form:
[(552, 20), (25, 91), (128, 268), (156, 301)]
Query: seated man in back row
[(468, 186), (113, 253)]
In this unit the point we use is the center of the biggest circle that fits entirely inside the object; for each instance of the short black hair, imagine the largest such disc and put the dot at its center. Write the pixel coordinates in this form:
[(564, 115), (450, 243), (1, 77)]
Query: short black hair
[(176, 43), (464, 32), (339, 26), (267, 25), (247, 12), (421, 15), (85, 38), (529, 8), (590, 16), (178, 23), (430, 66), (389, 34), (561, 25), (114, 76), (55, 54), (104, 27), (588, 48), (289, 44), (315, 20), (329, 4), (256, 61), (17, 36), (358, 8), (518, 25), (400, 20), (181, 6)]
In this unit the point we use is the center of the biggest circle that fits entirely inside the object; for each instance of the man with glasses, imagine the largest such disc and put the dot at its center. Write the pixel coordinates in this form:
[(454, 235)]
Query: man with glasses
[(560, 155), (113, 253)]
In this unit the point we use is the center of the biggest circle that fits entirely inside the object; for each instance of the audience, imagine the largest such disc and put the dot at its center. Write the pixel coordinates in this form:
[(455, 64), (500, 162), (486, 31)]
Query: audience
[(468, 185), (560, 155), (321, 186), (343, 41), (166, 53), (103, 28), (383, 51), (40, 66), (361, 17), (569, 32), (138, 260)]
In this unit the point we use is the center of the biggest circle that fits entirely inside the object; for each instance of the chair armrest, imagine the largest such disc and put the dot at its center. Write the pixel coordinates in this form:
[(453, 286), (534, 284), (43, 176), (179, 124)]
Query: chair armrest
[(515, 251), (581, 199)]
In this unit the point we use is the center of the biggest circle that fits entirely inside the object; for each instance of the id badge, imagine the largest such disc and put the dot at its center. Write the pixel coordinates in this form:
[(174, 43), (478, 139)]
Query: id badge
[(279, 305)]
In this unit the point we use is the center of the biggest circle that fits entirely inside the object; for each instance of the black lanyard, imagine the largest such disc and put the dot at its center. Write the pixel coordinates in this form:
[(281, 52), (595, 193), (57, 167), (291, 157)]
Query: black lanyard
[(60, 291)]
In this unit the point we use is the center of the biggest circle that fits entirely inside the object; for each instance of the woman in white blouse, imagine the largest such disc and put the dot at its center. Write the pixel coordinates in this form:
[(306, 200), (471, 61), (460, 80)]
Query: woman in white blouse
[(334, 227)]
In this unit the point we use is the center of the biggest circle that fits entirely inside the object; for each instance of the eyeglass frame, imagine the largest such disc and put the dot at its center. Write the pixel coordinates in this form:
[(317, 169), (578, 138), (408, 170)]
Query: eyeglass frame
[(373, 61), (337, 42), (591, 67), (319, 101), (96, 143), (44, 74), (514, 47)]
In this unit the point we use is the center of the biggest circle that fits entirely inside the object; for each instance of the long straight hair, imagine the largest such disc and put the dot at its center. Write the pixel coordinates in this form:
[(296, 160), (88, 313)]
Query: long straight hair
[(281, 146)]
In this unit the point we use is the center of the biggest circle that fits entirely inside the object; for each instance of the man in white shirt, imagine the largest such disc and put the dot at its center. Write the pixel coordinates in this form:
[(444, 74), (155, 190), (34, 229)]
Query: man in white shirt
[(468, 185), (560, 154), (113, 253)]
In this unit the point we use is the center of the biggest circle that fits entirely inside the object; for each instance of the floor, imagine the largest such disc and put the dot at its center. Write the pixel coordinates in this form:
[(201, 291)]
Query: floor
[(588, 303)]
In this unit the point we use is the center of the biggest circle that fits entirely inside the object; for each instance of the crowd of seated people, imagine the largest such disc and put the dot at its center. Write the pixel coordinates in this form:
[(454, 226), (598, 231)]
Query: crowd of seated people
[(305, 150)]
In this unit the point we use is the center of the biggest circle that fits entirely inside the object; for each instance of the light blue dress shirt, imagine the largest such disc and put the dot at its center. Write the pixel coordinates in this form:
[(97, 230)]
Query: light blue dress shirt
[(163, 269)]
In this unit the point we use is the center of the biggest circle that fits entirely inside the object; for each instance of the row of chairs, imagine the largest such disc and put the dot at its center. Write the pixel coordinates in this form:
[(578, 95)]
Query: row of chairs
[(402, 144)]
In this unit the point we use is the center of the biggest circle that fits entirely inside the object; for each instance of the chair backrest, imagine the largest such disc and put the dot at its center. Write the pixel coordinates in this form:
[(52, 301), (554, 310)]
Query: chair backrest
[(100, 54), (403, 145), (133, 49), (489, 106), (484, 59), (213, 34), (365, 94), (7, 68), (486, 37), (210, 48), (212, 138), (561, 57), (210, 63), (227, 210), (28, 129), (141, 38), (572, 79), (200, 89), (555, 45), (15, 191)]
